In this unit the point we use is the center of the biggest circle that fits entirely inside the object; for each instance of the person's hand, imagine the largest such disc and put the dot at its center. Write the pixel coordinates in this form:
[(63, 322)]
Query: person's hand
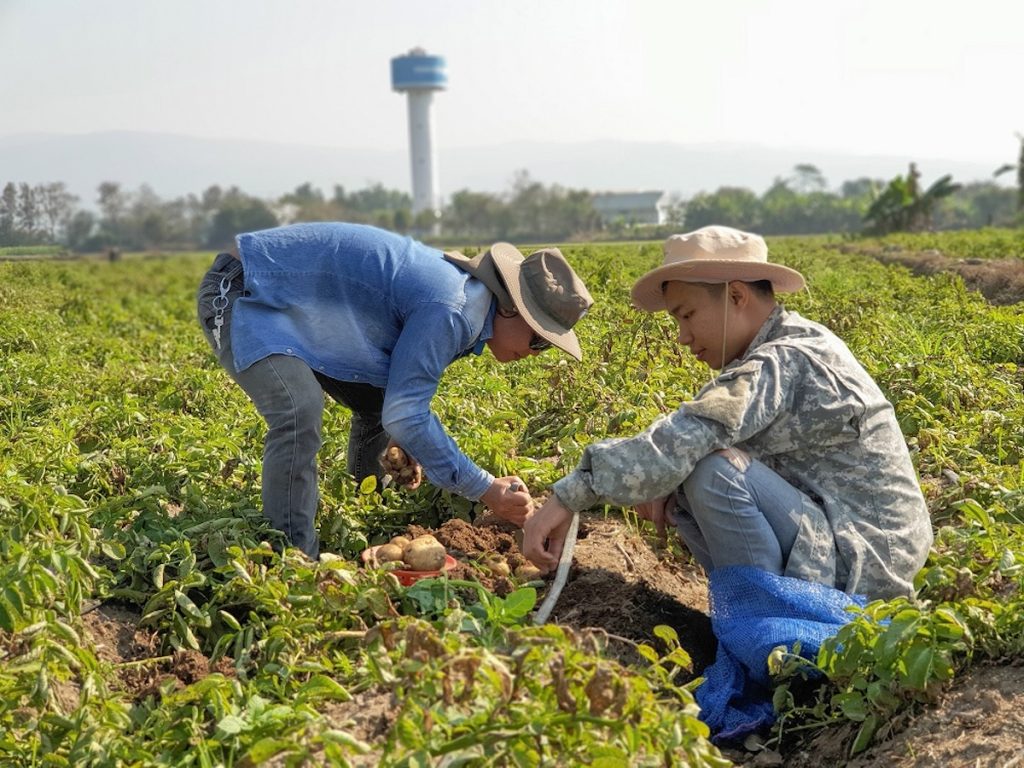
[(402, 467), (509, 499), (657, 511), (544, 534)]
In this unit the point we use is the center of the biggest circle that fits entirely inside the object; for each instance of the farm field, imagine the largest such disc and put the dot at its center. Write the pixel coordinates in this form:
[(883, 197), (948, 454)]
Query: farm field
[(146, 617)]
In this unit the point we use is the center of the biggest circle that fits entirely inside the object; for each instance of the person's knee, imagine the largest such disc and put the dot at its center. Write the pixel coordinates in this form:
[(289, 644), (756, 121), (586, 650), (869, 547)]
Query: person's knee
[(308, 408), (299, 411), (710, 470)]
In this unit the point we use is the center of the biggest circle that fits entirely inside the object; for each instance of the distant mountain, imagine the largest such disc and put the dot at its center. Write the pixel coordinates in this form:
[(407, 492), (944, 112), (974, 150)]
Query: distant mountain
[(176, 165)]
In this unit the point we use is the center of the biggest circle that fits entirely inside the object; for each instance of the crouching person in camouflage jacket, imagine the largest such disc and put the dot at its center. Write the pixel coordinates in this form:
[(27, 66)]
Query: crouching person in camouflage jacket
[(790, 460)]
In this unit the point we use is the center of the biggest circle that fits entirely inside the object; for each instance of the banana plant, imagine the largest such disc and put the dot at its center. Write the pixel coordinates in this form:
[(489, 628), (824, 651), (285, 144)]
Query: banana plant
[(1019, 167)]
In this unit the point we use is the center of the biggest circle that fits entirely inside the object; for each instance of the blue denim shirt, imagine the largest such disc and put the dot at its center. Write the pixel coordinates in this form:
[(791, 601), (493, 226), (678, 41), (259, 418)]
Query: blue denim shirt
[(360, 304)]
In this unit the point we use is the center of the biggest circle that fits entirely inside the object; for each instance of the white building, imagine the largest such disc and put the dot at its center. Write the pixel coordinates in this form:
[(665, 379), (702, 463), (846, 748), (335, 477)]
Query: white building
[(650, 207)]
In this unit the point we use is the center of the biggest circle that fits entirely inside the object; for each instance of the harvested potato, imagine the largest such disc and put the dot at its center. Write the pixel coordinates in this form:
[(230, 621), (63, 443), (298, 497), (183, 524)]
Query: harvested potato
[(497, 565), (424, 553), (528, 572), (401, 542), (387, 553), (402, 469)]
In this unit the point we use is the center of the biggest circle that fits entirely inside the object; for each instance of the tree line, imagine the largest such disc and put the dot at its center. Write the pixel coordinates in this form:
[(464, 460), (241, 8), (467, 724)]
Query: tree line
[(529, 211)]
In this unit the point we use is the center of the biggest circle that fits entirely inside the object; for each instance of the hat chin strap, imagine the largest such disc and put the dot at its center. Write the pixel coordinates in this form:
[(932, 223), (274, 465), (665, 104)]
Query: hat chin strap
[(725, 323)]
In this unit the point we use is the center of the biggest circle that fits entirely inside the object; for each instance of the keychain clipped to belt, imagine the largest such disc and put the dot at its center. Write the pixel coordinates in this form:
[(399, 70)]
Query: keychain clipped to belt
[(220, 305)]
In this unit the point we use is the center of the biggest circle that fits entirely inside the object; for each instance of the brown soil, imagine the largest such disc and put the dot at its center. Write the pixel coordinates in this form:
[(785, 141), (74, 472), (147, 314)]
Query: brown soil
[(141, 670), (1000, 281), (625, 583)]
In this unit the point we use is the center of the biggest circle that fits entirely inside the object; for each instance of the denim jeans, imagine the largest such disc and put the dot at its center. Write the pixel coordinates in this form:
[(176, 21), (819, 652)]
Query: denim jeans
[(736, 511), (290, 398)]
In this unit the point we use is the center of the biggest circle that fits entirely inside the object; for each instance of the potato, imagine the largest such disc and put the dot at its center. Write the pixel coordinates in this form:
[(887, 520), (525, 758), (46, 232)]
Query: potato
[(387, 553), (424, 553), (401, 542), (499, 567), (528, 572)]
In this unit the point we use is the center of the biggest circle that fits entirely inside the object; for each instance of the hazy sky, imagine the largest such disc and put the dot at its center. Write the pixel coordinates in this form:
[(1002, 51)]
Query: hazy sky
[(903, 77)]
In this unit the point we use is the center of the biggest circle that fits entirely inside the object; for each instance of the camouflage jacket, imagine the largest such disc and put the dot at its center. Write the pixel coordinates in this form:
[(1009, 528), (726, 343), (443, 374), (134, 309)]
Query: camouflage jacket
[(798, 401)]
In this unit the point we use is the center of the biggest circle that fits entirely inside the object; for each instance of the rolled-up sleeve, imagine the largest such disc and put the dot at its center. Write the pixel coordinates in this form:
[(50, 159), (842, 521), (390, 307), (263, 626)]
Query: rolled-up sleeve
[(652, 464), (433, 336)]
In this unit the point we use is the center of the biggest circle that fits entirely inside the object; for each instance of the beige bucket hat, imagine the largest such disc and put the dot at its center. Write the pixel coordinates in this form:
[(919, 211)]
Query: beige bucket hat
[(713, 254), (541, 287)]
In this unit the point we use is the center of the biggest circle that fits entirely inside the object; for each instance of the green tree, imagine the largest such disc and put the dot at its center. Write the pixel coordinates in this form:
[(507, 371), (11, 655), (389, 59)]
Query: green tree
[(113, 205), (57, 205), (474, 214), (808, 178), (80, 232), (862, 189), (307, 203), (1019, 167), (9, 215), (731, 206), (238, 212), (29, 214)]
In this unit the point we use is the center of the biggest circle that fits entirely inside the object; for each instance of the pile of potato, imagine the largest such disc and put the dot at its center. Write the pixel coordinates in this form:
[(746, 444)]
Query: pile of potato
[(424, 553), (500, 566), (403, 470)]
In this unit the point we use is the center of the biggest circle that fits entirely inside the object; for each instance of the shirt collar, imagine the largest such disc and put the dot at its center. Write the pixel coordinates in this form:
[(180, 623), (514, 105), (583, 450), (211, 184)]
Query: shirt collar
[(763, 335), (487, 331)]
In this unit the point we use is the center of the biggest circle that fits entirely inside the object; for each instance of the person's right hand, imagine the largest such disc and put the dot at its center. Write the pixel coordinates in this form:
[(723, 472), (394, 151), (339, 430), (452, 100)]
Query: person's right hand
[(656, 511), (544, 534), (509, 499), (402, 467)]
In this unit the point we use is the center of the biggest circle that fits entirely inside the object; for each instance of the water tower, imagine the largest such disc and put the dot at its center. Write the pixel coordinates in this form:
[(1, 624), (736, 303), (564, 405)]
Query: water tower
[(419, 75)]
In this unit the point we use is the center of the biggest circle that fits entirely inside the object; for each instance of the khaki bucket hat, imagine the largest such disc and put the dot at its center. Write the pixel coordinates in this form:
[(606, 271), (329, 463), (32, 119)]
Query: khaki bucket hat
[(541, 287), (713, 254)]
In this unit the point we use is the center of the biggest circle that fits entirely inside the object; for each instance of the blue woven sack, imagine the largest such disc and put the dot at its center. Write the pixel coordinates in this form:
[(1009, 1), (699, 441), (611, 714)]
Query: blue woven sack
[(752, 612)]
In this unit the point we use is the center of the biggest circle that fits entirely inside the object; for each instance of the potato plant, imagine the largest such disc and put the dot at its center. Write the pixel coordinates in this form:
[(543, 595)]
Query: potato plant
[(129, 476)]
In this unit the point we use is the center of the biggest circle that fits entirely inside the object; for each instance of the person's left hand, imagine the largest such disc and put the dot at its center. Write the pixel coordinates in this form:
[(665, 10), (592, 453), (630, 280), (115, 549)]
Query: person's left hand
[(544, 533), (656, 510)]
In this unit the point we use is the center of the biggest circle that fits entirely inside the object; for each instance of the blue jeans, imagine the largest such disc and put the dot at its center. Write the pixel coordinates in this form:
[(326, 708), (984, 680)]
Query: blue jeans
[(736, 511), (289, 396)]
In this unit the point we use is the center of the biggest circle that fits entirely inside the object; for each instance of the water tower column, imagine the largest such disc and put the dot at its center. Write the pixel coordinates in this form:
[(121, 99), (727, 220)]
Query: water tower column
[(426, 192)]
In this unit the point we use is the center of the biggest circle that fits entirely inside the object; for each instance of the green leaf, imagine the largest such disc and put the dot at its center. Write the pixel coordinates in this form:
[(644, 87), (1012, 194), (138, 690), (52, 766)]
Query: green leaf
[(852, 704), (14, 600), (611, 761), (666, 633), (266, 748), (113, 549), (232, 725), (188, 606), (647, 652), (919, 661), (368, 485), (520, 602), (865, 734), (322, 687), (903, 625), (6, 619)]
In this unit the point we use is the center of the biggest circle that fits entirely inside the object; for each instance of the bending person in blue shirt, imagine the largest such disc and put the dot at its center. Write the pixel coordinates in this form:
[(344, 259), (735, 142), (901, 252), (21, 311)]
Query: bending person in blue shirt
[(373, 319)]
